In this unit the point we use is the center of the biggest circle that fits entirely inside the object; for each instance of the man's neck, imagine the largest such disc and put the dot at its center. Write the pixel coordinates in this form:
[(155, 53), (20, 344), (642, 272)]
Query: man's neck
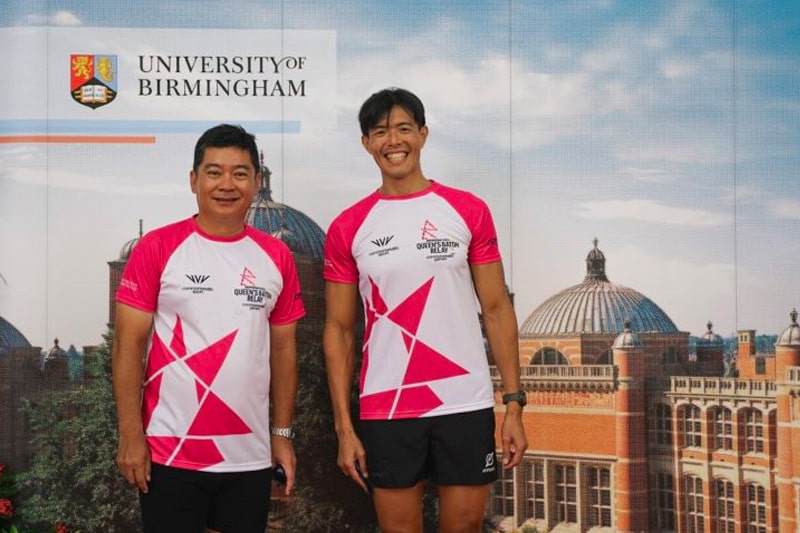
[(405, 186), (217, 228)]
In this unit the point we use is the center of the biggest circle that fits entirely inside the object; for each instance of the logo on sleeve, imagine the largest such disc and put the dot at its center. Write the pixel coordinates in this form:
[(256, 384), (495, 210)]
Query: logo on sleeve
[(252, 296), (436, 249)]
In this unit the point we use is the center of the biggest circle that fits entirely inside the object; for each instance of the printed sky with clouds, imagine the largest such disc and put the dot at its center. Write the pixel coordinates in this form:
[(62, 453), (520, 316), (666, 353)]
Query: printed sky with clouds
[(669, 130)]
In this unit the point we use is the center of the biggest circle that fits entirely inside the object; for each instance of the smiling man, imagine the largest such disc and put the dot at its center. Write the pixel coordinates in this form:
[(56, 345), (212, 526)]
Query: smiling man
[(418, 252), (204, 342)]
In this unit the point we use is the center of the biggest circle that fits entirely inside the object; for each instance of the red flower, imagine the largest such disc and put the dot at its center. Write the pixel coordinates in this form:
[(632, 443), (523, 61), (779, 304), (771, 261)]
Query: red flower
[(2, 468), (62, 528), (6, 509)]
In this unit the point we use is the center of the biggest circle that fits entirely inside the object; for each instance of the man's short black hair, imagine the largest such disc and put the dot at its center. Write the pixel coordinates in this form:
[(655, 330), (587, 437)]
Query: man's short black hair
[(378, 106), (225, 136)]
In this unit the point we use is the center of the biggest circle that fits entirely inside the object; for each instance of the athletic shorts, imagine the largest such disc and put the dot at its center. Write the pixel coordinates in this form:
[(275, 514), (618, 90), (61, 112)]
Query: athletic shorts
[(456, 449), (188, 501)]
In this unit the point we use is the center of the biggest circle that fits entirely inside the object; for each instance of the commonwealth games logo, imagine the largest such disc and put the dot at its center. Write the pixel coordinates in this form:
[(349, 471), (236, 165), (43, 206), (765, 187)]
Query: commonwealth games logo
[(93, 79)]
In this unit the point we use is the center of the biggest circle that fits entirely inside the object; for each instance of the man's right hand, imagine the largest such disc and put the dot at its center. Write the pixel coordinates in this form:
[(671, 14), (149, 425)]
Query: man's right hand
[(353, 459), (133, 460)]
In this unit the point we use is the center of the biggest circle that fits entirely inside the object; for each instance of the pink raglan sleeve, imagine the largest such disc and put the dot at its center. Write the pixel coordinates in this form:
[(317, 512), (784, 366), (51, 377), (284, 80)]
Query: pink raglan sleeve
[(289, 307), (483, 246), (141, 278), (340, 265)]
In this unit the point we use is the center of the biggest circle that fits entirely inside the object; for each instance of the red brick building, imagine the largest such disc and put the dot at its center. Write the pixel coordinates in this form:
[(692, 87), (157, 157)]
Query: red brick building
[(629, 431)]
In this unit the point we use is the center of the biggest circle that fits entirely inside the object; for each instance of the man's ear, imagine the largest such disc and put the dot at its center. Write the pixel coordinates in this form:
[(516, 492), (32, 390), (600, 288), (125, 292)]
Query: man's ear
[(424, 132), (365, 142), (193, 180)]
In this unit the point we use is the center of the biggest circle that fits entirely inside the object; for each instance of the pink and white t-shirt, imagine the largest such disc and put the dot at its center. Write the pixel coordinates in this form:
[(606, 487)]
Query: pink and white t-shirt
[(207, 378), (423, 352)]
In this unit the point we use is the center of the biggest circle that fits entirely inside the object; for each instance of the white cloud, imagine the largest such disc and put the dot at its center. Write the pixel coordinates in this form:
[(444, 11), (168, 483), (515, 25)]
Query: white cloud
[(64, 18), (650, 211), (785, 208), (59, 18)]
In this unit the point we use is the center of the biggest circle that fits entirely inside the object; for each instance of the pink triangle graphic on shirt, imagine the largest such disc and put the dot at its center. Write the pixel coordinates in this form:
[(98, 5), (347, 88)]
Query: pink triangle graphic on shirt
[(215, 418), (426, 364), (417, 400), (378, 304), (378, 405), (178, 345), (408, 314), (158, 357), (201, 453), (150, 397), (162, 446), (207, 362)]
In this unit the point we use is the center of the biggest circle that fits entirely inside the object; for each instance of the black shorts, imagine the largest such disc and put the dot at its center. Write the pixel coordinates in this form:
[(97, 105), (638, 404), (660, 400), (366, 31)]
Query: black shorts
[(456, 449), (188, 501)]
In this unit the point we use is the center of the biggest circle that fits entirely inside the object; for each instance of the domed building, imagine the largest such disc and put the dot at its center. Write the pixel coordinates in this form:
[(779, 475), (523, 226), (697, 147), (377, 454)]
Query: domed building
[(626, 433), (25, 375), (578, 325), (305, 239), (11, 338)]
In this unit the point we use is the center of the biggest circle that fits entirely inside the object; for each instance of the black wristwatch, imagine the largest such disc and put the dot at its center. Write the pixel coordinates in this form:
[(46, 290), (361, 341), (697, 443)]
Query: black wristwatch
[(518, 397)]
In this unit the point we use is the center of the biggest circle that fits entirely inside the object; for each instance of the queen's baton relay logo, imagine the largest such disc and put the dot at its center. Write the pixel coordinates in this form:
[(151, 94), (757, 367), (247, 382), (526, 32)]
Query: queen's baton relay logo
[(93, 79)]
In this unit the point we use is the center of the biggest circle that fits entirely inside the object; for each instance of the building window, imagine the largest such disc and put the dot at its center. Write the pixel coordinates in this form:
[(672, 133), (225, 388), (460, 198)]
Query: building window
[(533, 474), (692, 428), (605, 358), (503, 494), (663, 425), (549, 356), (693, 489), (726, 522), (566, 497), (599, 480), (761, 366), (756, 509), (754, 431), (665, 502), (670, 355), (723, 429)]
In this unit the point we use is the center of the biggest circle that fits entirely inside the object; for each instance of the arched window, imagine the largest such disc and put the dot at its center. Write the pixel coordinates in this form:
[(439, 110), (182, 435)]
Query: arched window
[(693, 491), (549, 356), (726, 522), (756, 509), (753, 431), (691, 425), (605, 358), (723, 428)]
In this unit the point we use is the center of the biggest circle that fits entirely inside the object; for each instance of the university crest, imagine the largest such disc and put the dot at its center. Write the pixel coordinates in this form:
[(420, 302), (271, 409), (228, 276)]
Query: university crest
[(93, 79)]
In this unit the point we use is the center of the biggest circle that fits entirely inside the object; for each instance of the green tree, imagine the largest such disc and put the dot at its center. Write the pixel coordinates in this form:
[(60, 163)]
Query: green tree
[(73, 477)]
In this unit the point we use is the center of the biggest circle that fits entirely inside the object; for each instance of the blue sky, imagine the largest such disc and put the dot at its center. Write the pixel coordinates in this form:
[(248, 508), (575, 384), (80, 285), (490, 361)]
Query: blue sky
[(669, 130)]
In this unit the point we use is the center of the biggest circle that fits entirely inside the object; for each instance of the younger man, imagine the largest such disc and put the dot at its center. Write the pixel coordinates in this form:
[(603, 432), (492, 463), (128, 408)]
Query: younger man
[(418, 252)]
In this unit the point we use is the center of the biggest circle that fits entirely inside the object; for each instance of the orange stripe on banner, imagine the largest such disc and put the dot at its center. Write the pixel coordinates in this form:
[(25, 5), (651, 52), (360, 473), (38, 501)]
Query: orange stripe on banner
[(79, 139)]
